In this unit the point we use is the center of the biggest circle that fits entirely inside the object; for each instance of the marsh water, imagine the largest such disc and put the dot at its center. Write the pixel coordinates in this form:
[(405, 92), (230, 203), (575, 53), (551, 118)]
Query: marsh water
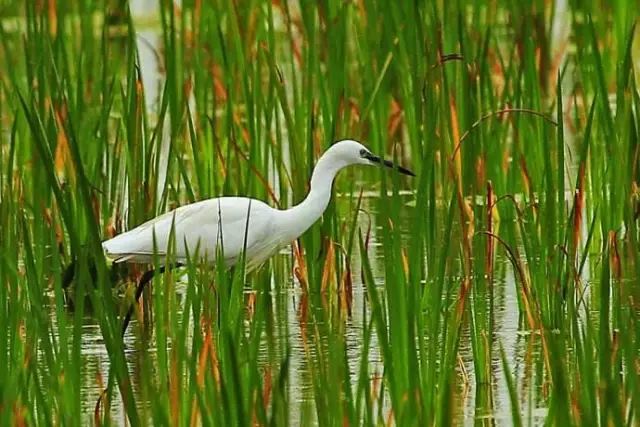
[(488, 403)]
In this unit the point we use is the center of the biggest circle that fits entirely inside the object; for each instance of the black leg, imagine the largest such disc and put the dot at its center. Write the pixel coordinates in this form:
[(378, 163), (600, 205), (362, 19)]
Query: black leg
[(146, 278)]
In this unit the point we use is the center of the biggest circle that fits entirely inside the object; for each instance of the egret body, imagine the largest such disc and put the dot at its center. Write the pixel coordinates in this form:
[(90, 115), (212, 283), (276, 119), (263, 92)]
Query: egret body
[(229, 225)]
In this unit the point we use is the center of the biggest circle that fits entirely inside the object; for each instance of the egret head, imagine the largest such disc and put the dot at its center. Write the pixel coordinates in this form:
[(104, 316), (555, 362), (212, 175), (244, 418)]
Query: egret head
[(352, 152)]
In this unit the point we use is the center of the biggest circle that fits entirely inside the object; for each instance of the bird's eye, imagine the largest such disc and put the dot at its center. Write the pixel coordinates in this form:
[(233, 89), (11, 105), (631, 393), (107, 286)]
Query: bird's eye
[(363, 152)]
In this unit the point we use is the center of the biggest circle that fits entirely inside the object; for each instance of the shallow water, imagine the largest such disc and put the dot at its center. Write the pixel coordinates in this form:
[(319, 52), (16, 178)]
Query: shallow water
[(489, 403)]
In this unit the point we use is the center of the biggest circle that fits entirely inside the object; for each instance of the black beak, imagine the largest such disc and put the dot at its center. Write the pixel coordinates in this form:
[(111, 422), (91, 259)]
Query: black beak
[(387, 163)]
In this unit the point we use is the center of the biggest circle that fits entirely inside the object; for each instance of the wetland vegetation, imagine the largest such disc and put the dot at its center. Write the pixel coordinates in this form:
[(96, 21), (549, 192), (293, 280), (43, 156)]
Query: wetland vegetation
[(499, 286)]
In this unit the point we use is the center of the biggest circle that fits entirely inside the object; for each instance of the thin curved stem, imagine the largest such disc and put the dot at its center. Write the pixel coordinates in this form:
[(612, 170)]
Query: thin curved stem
[(495, 113)]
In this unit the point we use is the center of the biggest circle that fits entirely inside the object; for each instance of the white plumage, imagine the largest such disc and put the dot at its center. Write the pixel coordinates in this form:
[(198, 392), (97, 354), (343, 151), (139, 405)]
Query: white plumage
[(226, 224)]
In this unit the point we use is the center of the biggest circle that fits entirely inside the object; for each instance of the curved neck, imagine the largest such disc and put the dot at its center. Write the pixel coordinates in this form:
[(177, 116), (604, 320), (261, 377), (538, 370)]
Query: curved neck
[(299, 218)]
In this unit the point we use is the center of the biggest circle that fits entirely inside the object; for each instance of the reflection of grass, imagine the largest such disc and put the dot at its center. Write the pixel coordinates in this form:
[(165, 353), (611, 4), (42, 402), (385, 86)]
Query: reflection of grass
[(252, 96)]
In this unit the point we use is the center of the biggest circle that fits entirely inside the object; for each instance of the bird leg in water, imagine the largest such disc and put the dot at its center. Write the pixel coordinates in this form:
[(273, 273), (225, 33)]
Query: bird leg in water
[(146, 278)]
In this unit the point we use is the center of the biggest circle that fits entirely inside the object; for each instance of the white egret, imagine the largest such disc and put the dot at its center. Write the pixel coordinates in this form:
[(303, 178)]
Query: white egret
[(231, 225), (227, 226)]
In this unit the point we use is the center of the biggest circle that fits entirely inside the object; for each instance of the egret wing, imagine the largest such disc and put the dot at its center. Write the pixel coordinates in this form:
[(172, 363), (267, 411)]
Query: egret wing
[(202, 226)]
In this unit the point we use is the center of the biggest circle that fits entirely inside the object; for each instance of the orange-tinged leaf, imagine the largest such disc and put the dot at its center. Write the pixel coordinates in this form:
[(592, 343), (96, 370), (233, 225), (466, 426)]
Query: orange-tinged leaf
[(390, 418), (52, 15), (266, 387), (328, 270), (614, 255), (220, 90), (187, 87), (300, 268), (466, 212), (251, 304), (354, 115), (110, 228), (455, 132), (62, 153), (405, 262), (346, 288), (394, 124), (481, 171), (62, 156), (578, 207), (197, 13)]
